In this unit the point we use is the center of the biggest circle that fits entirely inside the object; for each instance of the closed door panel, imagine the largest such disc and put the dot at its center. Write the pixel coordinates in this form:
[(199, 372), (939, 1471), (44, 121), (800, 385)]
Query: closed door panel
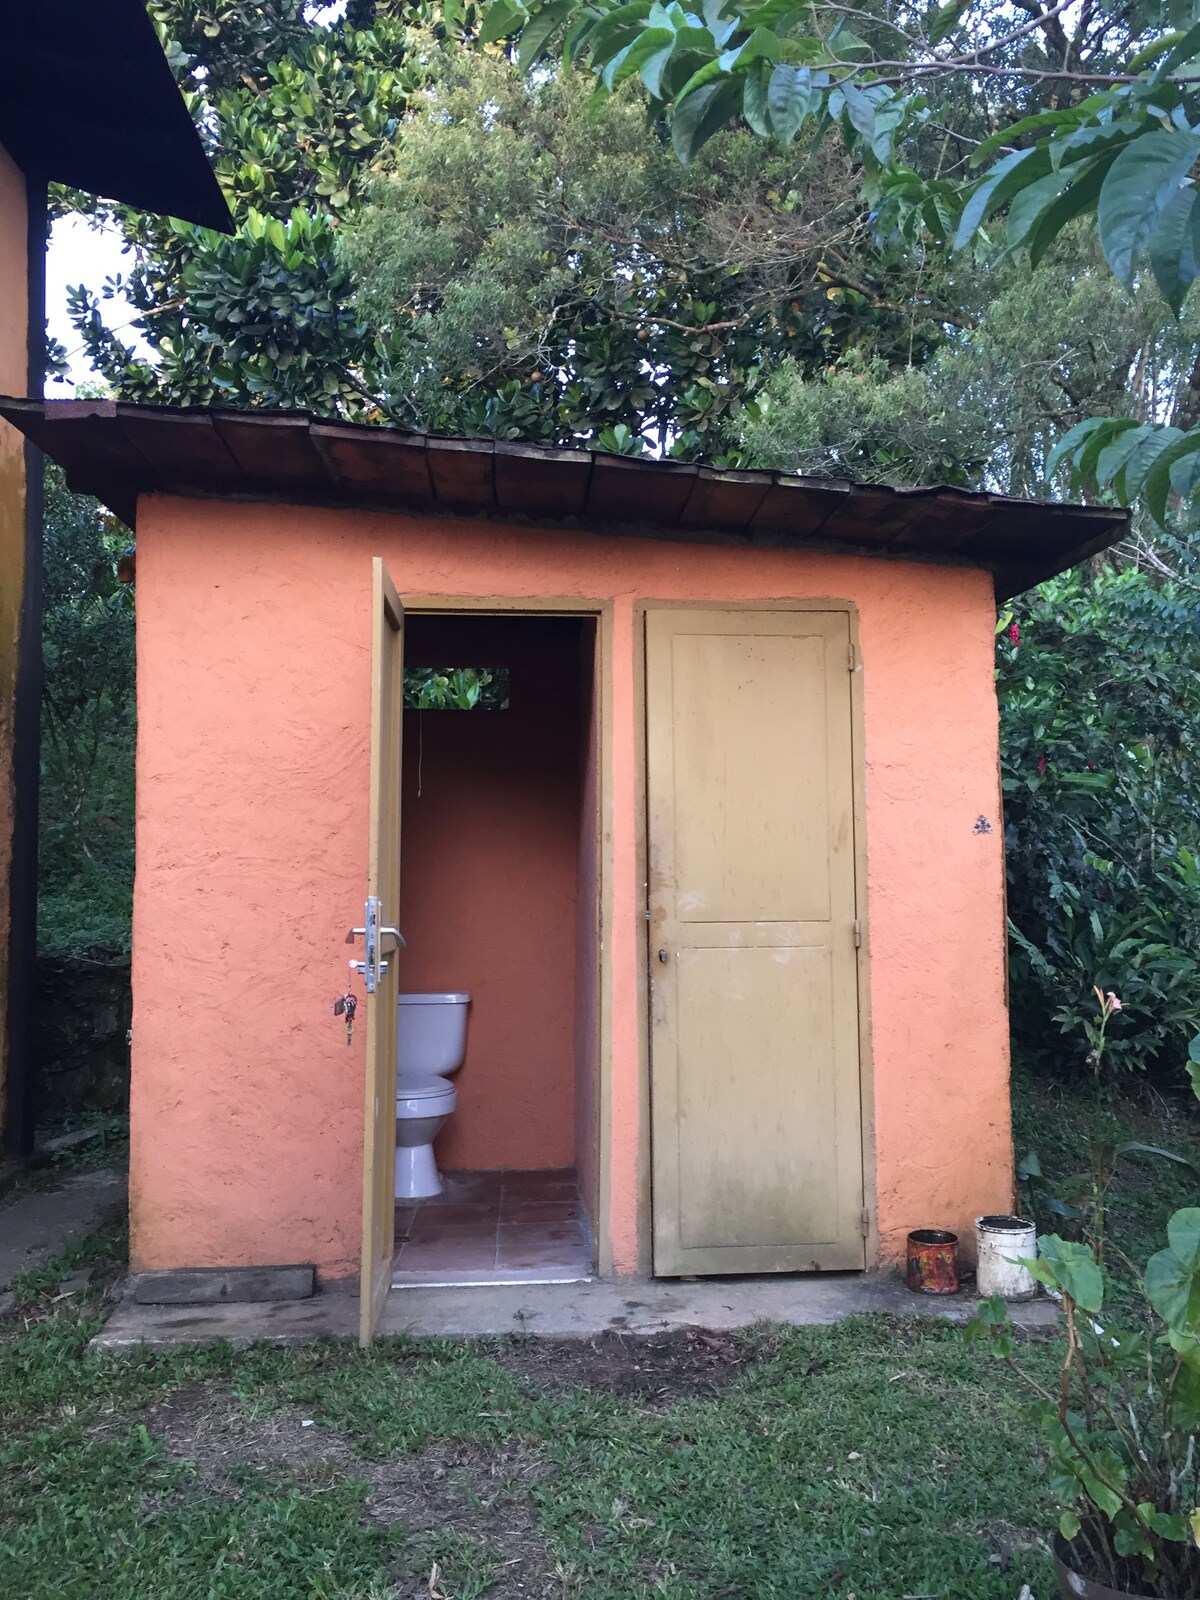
[(755, 1091)]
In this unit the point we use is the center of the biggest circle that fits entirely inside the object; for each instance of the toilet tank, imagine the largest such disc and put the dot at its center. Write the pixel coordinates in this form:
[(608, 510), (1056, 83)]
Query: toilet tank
[(431, 1034)]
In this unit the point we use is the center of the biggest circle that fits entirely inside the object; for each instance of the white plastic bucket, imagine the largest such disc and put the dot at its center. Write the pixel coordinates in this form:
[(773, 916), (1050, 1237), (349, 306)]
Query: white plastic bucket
[(1003, 1243)]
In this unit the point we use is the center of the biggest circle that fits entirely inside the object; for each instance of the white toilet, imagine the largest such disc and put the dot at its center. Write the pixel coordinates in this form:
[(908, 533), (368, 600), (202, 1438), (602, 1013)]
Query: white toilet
[(431, 1039)]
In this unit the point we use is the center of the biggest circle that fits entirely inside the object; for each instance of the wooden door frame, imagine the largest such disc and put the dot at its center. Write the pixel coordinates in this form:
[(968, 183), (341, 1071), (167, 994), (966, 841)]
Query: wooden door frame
[(599, 611), (866, 1080), (383, 880)]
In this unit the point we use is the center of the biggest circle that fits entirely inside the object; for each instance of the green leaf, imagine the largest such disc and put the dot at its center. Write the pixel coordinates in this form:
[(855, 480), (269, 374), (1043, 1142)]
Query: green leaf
[(653, 68), (1194, 1051), (1183, 1236), (789, 99), (1082, 196), (701, 115), (1157, 484), (1143, 179), (539, 30), (1172, 250), (1069, 1525), (1074, 1270), (1086, 461), (944, 20), (1136, 1147), (1172, 1278), (1116, 453), (500, 19), (1030, 203), (1155, 441), (705, 74), (754, 103), (1071, 441), (1040, 122), (630, 61), (1011, 172)]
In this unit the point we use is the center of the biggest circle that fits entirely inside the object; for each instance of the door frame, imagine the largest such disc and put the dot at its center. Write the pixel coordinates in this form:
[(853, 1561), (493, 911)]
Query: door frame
[(599, 611), (848, 609)]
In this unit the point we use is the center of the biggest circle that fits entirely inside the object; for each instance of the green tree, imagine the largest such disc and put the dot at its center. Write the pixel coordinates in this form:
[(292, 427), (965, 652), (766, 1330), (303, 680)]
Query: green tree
[(1037, 352), (536, 268), (1107, 126), (1099, 680), (300, 117), (88, 726), (426, 237)]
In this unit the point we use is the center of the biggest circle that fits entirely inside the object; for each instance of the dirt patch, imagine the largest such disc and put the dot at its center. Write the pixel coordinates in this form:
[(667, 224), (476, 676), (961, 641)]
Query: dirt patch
[(224, 1436), (468, 1492), (448, 1488), (654, 1369)]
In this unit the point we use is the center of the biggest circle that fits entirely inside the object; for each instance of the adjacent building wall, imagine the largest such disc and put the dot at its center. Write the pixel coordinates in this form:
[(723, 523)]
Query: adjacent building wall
[(14, 377), (254, 680)]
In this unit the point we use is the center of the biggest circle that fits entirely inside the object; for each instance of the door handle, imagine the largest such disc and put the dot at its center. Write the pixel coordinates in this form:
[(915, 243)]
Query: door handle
[(373, 966), (664, 956)]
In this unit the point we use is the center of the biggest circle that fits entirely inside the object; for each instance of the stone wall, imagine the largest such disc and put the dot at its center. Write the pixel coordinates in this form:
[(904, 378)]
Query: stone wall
[(81, 1038)]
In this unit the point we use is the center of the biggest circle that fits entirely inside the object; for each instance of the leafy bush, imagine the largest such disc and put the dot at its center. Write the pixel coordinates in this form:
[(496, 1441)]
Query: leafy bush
[(88, 725), (1099, 683)]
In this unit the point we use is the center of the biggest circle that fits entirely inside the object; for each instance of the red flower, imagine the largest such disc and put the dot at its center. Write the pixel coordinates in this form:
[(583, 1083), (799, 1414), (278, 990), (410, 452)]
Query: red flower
[(1042, 764), (1014, 634)]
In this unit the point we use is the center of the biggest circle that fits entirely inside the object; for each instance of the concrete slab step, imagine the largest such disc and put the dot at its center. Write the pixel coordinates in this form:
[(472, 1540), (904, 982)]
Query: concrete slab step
[(555, 1309)]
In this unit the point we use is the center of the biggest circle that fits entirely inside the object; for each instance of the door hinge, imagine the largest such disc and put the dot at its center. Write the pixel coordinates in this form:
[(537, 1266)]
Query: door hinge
[(857, 934), (864, 1222), (851, 656)]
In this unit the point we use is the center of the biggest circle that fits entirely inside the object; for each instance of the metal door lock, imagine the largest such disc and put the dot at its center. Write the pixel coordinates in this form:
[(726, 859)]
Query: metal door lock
[(373, 967)]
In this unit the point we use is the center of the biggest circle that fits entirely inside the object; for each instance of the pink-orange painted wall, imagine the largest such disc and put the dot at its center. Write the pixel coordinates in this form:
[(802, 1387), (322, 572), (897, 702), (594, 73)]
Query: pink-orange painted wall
[(489, 847), (586, 1039), (253, 666)]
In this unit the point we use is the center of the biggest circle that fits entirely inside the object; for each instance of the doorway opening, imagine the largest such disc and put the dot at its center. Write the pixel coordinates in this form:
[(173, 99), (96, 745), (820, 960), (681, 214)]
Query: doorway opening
[(499, 900)]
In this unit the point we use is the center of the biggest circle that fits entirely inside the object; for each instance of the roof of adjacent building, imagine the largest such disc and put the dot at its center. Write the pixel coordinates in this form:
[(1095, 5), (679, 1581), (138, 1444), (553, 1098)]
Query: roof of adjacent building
[(118, 452), (87, 98)]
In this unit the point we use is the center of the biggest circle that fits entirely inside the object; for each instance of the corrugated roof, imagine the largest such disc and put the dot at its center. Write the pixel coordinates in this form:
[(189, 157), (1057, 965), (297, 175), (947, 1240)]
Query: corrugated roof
[(117, 452), (87, 98)]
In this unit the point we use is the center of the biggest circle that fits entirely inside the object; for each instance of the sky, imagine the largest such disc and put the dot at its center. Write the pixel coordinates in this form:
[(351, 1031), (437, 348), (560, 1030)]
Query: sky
[(80, 253)]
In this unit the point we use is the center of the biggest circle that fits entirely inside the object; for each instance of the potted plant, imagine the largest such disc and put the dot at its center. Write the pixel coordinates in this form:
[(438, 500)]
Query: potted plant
[(1122, 1423)]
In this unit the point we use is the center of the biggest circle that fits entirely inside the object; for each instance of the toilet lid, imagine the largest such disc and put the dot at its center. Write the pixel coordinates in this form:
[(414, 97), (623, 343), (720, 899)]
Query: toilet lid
[(422, 1088)]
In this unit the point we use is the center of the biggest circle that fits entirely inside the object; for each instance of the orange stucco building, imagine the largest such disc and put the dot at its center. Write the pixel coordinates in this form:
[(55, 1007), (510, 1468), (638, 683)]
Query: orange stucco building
[(724, 879)]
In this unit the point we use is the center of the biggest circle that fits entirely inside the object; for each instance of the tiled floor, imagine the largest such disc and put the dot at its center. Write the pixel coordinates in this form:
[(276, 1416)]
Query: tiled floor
[(495, 1227)]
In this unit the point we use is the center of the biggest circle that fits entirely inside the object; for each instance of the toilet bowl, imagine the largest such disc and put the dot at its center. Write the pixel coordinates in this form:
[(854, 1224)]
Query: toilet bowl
[(422, 1105), (431, 1040)]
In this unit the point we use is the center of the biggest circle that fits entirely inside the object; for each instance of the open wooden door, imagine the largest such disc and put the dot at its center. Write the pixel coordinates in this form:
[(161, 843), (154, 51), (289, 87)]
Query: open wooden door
[(755, 1092), (380, 956)]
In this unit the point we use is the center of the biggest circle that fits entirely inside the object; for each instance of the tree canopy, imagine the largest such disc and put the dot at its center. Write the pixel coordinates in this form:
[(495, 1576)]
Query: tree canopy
[(1082, 111)]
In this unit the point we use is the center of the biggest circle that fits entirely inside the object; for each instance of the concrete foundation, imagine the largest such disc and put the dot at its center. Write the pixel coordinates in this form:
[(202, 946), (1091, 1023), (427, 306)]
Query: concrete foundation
[(554, 1309)]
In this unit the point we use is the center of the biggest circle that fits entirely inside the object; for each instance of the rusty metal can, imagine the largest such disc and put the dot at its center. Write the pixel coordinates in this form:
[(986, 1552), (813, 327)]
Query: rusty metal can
[(932, 1261)]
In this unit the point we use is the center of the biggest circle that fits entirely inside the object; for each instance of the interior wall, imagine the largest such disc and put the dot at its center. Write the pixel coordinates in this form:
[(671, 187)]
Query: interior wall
[(488, 881), (587, 933)]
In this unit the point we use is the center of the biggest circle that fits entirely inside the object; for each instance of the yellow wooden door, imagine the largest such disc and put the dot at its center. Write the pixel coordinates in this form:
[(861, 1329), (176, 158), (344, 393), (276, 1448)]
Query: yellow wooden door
[(755, 1080), (381, 951)]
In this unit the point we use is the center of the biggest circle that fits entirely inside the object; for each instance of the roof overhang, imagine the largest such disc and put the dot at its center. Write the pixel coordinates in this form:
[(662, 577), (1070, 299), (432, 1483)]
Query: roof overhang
[(87, 98), (119, 452)]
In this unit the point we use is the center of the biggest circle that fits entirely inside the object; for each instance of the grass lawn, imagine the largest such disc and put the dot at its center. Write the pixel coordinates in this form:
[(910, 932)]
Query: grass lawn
[(880, 1458)]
